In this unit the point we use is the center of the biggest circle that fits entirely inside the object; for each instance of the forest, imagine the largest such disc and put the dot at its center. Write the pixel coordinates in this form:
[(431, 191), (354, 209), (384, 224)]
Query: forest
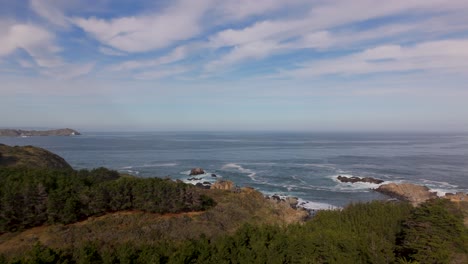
[(375, 232), (31, 196)]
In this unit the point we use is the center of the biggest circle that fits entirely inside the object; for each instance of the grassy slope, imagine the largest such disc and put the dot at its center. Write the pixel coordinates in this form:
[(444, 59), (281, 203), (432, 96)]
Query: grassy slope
[(231, 212), (29, 156)]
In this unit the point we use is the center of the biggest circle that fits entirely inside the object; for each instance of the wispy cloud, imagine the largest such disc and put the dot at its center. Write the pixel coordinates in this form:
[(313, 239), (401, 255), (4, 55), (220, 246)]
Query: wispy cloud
[(111, 52), (147, 32), (50, 10), (175, 55), (447, 55), (36, 41), (68, 71), (321, 27)]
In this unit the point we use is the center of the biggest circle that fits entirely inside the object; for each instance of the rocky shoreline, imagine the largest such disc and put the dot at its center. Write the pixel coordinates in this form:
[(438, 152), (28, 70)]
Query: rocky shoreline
[(413, 193)]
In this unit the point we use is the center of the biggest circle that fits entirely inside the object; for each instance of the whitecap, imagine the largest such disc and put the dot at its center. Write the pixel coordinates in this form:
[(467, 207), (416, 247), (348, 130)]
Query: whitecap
[(317, 165), (309, 205), (250, 173), (129, 171), (438, 183), (160, 165)]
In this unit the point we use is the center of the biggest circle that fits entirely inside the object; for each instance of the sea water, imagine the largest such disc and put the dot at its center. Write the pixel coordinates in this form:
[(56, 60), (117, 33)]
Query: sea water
[(305, 165)]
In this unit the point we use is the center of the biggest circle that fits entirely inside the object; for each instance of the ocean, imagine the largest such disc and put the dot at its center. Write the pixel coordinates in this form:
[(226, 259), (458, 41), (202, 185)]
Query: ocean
[(304, 165)]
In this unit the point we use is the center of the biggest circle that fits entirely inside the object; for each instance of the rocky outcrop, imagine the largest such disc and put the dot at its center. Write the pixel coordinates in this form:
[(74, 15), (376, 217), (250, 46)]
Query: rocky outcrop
[(203, 185), (289, 200), (223, 185), (413, 193), (358, 179), (457, 197), (32, 133), (32, 157), (196, 171)]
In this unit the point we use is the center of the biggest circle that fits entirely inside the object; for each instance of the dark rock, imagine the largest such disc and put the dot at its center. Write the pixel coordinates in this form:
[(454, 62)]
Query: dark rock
[(196, 171), (202, 186), (213, 175), (355, 179), (276, 198), (207, 183), (193, 179)]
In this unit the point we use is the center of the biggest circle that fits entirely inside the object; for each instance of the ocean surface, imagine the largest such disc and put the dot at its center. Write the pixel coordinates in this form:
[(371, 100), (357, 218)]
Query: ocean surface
[(304, 165)]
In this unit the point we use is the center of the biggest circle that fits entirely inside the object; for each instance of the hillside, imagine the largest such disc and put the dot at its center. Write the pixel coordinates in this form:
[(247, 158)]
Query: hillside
[(50, 215), (29, 156), (33, 133)]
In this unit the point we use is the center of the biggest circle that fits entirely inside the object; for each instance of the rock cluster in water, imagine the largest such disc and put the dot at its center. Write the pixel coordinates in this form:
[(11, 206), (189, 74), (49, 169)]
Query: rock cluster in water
[(355, 179)]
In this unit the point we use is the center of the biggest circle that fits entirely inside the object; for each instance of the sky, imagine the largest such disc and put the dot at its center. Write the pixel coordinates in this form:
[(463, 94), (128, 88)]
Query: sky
[(222, 65)]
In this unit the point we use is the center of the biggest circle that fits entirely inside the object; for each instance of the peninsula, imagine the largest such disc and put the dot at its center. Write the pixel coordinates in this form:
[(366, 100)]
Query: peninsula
[(32, 133)]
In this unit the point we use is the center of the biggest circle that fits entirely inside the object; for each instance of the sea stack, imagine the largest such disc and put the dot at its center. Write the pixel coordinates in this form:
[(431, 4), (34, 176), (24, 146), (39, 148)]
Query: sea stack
[(196, 171)]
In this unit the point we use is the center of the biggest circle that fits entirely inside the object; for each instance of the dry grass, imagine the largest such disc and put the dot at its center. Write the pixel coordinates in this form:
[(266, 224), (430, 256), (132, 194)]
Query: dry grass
[(232, 211)]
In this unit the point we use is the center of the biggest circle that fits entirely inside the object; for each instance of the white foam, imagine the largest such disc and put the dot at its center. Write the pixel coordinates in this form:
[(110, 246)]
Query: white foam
[(441, 192), (133, 172), (295, 177), (317, 165), (438, 183), (250, 173), (160, 165), (185, 172), (200, 178), (309, 205)]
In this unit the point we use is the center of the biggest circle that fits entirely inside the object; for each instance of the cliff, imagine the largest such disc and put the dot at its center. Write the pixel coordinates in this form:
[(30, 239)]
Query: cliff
[(32, 133), (29, 156)]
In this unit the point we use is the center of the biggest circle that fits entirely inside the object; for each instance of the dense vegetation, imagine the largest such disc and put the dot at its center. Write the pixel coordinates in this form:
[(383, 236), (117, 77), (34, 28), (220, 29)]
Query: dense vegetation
[(376, 232), (31, 197)]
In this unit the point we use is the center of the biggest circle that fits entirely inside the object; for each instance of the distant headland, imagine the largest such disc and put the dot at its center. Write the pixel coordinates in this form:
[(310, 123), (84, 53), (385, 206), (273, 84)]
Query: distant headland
[(33, 133)]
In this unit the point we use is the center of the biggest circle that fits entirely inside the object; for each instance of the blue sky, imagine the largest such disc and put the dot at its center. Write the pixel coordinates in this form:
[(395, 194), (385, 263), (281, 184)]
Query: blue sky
[(235, 65)]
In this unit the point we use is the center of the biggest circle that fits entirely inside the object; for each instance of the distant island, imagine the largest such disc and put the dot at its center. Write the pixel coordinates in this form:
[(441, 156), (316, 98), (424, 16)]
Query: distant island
[(32, 133)]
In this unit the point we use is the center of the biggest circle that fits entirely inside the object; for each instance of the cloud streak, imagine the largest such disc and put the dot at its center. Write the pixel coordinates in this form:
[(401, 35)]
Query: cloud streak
[(442, 56), (150, 31)]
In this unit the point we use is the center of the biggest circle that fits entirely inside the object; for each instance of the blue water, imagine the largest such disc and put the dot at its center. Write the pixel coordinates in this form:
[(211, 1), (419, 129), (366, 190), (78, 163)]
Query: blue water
[(299, 164)]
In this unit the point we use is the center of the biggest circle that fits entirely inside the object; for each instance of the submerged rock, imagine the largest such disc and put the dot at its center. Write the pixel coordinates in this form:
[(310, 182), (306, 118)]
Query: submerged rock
[(196, 171), (358, 179)]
